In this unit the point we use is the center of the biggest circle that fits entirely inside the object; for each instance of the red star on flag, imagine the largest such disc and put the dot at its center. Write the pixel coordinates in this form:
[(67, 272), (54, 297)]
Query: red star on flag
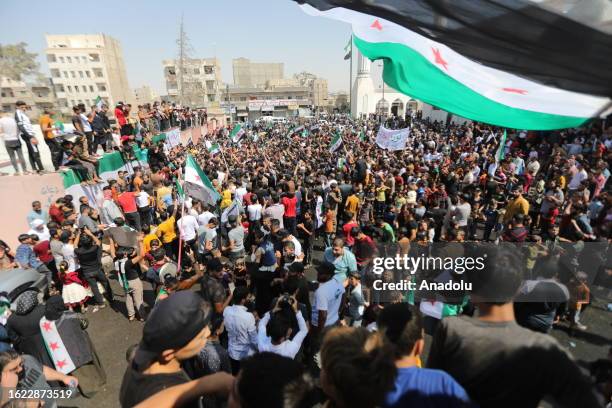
[(376, 24), (515, 90), (46, 326), (438, 58), (54, 346), (60, 364)]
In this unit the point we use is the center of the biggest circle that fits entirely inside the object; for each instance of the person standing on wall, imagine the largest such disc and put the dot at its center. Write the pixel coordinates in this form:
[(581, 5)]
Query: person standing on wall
[(27, 135)]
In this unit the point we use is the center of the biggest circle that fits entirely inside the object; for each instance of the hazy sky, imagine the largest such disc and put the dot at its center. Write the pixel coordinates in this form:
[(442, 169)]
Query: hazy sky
[(262, 30)]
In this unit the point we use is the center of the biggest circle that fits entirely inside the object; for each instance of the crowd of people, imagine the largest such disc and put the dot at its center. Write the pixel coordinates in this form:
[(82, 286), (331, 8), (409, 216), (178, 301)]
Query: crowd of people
[(267, 296)]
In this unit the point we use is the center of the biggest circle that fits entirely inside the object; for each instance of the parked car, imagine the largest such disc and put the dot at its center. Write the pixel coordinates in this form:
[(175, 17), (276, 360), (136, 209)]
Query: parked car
[(16, 281)]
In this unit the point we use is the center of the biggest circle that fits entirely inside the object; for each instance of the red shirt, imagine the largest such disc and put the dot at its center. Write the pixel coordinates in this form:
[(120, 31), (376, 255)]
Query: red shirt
[(347, 232), (127, 201), (120, 116), (56, 213), (43, 251), (290, 206)]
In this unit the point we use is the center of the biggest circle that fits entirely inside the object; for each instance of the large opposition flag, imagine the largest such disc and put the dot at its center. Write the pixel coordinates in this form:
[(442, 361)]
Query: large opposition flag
[(237, 133), (434, 73), (197, 184)]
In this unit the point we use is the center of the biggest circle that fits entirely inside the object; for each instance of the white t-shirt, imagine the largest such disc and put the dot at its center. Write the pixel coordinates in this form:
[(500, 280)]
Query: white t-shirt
[(142, 199), (70, 257), (188, 226), (205, 217), (8, 129), (327, 297), (577, 179), (254, 211)]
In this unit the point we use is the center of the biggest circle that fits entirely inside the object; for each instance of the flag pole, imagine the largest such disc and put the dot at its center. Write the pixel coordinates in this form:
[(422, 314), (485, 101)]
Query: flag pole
[(180, 254), (351, 79)]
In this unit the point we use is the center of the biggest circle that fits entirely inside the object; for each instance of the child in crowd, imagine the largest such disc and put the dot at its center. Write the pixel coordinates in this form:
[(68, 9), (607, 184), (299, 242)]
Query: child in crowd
[(75, 292)]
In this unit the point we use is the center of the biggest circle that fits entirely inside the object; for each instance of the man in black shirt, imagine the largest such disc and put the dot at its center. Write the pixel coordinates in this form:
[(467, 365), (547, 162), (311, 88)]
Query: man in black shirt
[(176, 331), (89, 254)]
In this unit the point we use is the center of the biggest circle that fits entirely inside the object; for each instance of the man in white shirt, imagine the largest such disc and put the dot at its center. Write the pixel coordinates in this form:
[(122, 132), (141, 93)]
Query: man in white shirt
[(27, 134), (327, 298), (254, 210), (10, 135), (143, 202), (205, 216), (274, 332), (188, 227), (241, 328), (578, 178)]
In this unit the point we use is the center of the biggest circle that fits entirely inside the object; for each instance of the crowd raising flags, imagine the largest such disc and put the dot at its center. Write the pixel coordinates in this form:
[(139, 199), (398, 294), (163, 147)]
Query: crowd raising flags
[(419, 66)]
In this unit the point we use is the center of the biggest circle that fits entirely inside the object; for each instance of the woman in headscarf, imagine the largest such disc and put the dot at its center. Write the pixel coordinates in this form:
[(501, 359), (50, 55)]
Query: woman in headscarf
[(23, 327), (69, 346)]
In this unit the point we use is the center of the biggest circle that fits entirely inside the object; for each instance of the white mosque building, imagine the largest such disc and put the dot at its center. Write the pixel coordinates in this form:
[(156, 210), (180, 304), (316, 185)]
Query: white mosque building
[(366, 99)]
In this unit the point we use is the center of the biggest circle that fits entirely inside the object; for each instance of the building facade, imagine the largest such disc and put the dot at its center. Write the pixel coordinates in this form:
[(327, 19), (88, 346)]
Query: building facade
[(319, 92), (38, 96), (201, 79), (255, 74), (253, 103), (84, 67), (145, 94)]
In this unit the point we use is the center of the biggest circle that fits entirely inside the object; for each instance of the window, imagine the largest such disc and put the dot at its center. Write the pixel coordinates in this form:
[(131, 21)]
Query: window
[(80, 101), (94, 57), (65, 74), (196, 71), (84, 88), (208, 69), (98, 73), (69, 88), (101, 87), (76, 89), (88, 74), (72, 74), (55, 73), (59, 87), (81, 74), (72, 102), (69, 60), (51, 58), (61, 59), (91, 88)]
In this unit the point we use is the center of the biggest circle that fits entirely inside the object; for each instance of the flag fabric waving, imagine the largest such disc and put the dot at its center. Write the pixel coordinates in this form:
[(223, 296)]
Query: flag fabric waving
[(99, 102), (348, 48), (501, 150), (419, 66), (336, 142), (237, 133), (214, 149), (197, 184), (564, 44)]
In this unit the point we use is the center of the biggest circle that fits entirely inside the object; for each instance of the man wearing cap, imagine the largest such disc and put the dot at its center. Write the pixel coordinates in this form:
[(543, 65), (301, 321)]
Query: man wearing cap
[(176, 330), (40, 230)]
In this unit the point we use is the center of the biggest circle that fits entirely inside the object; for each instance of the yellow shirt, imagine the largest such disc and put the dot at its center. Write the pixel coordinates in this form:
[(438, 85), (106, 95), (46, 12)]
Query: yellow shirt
[(352, 203), (226, 199), (517, 206), (380, 194), (146, 241), (166, 231), (561, 182), (47, 121)]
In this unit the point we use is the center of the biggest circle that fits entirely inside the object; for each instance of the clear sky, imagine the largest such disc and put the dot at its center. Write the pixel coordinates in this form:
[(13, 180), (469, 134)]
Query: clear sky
[(262, 30)]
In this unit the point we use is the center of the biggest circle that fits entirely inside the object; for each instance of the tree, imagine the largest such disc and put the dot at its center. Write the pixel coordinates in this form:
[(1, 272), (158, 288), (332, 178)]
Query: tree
[(16, 62)]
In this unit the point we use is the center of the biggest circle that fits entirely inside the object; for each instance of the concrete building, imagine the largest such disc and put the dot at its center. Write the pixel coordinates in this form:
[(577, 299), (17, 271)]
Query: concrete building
[(255, 74), (85, 66), (39, 95), (253, 103), (366, 99), (201, 80), (145, 94), (318, 88)]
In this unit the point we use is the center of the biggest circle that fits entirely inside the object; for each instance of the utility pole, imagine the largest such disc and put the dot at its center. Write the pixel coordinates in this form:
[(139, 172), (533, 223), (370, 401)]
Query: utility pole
[(184, 56)]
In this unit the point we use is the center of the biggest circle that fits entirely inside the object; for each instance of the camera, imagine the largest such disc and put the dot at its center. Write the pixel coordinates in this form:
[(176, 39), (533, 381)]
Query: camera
[(286, 299)]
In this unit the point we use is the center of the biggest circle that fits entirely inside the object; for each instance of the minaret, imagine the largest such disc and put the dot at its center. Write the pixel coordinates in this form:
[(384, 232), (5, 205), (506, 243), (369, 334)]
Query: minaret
[(363, 88)]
